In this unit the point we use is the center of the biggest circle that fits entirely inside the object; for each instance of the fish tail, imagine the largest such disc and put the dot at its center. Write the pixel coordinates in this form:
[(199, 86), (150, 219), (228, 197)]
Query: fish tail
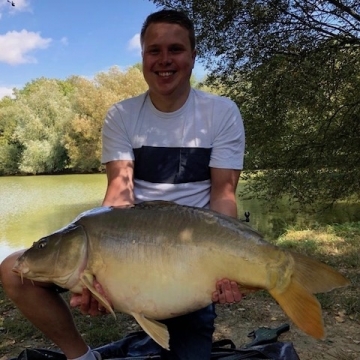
[(302, 308), (297, 300), (316, 276)]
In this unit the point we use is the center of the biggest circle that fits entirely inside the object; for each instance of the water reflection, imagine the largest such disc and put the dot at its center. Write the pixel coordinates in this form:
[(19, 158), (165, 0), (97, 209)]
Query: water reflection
[(32, 207), (272, 223)]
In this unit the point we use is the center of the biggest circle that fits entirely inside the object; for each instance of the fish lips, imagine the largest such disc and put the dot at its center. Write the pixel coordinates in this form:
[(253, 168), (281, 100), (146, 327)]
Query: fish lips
[(20, 267)]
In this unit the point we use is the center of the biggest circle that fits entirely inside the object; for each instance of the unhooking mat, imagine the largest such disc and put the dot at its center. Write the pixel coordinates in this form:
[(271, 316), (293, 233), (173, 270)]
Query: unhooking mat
[(138, 346)]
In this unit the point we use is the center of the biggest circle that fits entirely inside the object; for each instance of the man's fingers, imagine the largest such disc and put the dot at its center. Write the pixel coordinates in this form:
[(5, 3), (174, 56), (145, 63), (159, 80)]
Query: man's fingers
[(236, 292), (215, 297), (223, 288), (226, 292), (85, 301), (94, 307), (75, 300)]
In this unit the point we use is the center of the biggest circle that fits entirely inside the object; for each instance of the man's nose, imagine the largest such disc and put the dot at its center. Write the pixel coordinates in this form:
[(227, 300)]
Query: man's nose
[(165, 58)]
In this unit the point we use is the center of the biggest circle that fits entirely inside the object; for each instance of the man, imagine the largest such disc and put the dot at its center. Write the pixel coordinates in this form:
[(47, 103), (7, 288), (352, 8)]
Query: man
[(171, 143), (178, 144)]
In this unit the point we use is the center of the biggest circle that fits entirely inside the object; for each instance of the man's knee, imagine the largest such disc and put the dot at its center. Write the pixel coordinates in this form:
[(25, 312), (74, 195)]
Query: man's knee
[(7, 264), (14, 285), (9, 279)]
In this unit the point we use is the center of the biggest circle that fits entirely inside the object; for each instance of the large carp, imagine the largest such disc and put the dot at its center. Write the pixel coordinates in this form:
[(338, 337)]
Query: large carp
[(159, 260)]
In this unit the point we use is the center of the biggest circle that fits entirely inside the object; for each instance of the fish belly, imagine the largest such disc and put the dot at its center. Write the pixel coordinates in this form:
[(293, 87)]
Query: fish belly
[(173, 283)]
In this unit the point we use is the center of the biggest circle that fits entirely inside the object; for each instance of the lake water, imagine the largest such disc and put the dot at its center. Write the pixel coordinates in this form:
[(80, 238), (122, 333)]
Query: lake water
[(34, 206)]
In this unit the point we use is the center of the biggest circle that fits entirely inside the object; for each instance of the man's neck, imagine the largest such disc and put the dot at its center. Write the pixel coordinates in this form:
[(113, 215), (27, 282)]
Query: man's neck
[(169, 103)]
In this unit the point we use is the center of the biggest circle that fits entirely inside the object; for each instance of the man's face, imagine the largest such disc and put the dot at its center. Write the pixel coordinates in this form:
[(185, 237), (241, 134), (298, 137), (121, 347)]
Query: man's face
[(167, 59)]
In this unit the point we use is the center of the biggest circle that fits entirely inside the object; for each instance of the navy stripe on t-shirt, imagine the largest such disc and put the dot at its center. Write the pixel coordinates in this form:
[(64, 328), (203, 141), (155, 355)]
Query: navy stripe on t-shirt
[(174, 165)]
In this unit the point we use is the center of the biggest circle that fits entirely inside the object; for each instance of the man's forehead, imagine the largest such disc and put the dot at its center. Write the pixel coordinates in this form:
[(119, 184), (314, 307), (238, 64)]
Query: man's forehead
[(165, 31), (167, 44)]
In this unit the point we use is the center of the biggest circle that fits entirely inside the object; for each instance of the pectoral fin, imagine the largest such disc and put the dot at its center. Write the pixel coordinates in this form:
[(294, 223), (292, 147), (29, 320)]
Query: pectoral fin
[(154, 329), (87, 279)]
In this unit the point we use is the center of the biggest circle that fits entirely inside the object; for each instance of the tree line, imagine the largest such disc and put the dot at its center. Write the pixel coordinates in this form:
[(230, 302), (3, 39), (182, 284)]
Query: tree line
[(54, 126)]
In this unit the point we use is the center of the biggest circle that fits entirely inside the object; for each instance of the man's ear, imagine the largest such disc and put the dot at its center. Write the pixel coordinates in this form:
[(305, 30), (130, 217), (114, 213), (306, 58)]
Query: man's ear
[(193, 57), (194, 53)]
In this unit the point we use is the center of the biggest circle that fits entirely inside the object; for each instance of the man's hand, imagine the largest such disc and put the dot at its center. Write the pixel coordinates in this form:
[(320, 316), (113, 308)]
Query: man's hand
[(227, 292), (87, 303)]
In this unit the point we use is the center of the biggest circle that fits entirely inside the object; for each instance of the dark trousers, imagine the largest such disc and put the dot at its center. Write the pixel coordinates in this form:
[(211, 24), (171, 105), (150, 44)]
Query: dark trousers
[(191, 335)]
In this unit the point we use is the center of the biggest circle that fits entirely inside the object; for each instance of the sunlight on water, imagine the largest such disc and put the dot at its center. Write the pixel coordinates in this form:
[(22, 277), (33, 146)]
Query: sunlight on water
[(34, 206)]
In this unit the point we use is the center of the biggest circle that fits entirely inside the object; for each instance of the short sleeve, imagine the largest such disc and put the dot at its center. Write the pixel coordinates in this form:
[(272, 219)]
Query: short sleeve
[(228, 138), (116, 143)]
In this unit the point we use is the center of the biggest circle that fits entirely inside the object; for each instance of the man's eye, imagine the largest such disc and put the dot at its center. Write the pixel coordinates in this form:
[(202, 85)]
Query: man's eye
[(176, 50), (153, 51)]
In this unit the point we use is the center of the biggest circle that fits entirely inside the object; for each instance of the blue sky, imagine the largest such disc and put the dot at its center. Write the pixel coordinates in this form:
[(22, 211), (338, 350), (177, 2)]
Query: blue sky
[(60, 38)]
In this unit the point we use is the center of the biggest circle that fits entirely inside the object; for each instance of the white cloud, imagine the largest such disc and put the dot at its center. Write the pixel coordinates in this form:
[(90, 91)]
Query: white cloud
[(134, 43), (64, 40), (5, 91), (15, 46)]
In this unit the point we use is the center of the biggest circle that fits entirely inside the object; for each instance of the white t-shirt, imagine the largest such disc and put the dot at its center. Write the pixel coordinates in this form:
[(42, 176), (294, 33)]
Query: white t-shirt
[(173, 152)]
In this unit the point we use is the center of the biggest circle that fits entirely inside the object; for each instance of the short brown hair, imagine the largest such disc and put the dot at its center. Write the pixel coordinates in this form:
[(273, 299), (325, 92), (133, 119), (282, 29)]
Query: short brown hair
[(170, 17)]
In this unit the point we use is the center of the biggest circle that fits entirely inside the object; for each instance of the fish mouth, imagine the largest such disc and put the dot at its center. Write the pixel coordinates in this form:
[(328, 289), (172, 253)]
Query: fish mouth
[(21, 269)]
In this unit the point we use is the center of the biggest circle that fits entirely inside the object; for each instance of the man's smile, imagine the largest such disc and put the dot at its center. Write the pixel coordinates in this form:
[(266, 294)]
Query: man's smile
[(164, 73)]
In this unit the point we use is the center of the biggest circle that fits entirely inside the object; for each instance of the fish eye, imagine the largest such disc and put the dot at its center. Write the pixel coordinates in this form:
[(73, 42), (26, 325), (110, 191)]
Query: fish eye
[(41, 244)]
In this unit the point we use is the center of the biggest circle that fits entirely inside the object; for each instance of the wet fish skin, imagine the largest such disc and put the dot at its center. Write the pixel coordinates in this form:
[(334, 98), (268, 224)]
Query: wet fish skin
[(158, 260)]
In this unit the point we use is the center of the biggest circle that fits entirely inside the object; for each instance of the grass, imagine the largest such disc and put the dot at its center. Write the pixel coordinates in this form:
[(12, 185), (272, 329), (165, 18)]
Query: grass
[(337, 245), (16, 333)]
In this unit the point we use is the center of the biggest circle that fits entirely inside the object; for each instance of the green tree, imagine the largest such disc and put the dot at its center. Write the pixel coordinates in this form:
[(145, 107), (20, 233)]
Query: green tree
[(55, 125), (35, 122), (304, 127), (10, 148), (91, 100), (293, 68)]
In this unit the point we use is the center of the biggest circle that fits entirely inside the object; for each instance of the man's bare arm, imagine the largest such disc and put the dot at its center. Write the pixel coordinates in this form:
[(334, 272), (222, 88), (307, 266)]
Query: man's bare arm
[(223, 200), (120, 187), (223, 191)]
